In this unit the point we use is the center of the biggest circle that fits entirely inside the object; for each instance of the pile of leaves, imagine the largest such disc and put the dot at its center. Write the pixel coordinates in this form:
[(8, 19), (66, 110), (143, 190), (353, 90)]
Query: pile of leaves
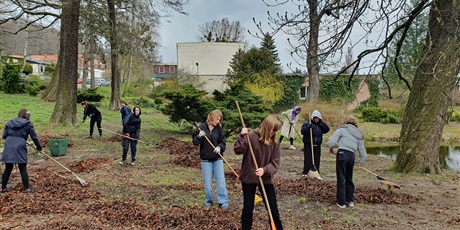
[(325, 192), (186, 154)]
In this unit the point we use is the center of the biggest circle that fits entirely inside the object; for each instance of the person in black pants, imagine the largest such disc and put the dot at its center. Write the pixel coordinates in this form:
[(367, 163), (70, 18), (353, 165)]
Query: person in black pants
[(318, 128), (266, 149), (349, 140), (131, 129), (93, 113), (16, 133)]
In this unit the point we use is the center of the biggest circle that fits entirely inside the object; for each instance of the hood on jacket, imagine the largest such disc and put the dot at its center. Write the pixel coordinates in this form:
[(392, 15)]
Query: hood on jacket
[(355, 132), (317, 114), (17, 123)]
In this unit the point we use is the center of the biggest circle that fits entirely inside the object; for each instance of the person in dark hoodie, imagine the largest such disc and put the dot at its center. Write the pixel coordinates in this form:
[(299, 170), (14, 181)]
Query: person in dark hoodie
[(266, 150), (132, 129), (349, 140), (212, 164), (16, 133), (318, 128), (125, 110), (90, 110)]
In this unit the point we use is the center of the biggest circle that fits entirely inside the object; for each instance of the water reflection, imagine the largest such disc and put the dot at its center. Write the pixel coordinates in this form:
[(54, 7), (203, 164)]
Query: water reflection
[(449, 156)]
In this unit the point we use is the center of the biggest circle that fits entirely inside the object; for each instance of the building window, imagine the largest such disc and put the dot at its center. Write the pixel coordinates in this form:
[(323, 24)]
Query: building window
[(303, 92), (172, 69), (161, 69)]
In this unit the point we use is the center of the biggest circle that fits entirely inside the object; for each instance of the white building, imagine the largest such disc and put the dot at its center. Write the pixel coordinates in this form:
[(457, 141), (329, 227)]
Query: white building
[(209, 61)]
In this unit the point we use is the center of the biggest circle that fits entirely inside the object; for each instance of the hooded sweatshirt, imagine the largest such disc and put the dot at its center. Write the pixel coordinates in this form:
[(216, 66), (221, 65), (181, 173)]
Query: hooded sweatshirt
[(16, 133), (349, 137)]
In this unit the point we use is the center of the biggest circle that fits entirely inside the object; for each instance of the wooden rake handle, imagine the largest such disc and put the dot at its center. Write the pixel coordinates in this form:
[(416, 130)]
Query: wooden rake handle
[(134, 139), (210, 143), (255, 164)]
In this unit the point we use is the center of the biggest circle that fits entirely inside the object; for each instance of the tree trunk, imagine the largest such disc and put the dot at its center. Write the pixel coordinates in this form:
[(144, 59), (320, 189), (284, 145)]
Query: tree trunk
[(84, 76), (116, 81), (65, 110), (312, 53), (51, 90), (426, 110)]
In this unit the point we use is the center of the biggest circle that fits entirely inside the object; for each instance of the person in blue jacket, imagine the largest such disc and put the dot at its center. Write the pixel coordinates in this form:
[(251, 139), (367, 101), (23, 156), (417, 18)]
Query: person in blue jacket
[(132, 130), (212, 165), (125, 110), (90, 110), (15, 134)]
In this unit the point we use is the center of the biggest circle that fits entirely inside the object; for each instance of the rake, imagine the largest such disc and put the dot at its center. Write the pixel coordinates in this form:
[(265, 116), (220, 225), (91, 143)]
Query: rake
[(257, 199), (82, 182), (134, 139), (313, 172), (293, 126), (272, 222), (382, 180)]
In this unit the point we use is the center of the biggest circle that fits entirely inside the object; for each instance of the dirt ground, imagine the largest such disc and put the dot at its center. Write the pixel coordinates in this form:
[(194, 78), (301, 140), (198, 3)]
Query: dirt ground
[(164, 191)]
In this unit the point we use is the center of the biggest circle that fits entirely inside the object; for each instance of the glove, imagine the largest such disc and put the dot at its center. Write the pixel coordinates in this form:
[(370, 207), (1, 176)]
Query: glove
[(83, 121), (201, 134), (284, 114), (291, 122), (90, 115), (127, 134), (217, 150)]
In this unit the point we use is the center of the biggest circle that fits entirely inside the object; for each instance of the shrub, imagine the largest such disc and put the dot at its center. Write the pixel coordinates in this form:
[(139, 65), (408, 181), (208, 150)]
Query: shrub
[(375, 114), (34, 85), (88, 95), (11, 81), (143, 102)]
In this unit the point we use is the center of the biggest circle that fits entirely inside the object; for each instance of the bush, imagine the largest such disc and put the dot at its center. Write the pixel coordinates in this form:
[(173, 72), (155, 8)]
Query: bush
[(34, 85), (143, 103), (375, 114), (11, 81), (89, 95), (453, 116)]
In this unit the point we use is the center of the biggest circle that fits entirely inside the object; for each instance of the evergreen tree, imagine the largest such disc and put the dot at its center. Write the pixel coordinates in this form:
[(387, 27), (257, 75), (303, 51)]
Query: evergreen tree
[(269, 43)]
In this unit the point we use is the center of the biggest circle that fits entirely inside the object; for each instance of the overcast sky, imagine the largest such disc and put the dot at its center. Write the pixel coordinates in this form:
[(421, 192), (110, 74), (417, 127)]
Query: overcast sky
[(182, 28)]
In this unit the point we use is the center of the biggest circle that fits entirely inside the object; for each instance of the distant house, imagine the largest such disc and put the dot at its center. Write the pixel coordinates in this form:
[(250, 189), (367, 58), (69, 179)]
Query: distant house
[(209, 61), (38, 66), (162, 71)]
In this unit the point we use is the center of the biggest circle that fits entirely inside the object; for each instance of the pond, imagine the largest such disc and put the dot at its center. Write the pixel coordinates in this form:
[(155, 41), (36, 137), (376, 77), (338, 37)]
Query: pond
[(449, 156)]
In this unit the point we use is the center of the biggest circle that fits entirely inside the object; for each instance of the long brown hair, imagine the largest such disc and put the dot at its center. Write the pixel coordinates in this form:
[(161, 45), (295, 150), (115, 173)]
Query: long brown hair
[(269, 124), (24, 113)]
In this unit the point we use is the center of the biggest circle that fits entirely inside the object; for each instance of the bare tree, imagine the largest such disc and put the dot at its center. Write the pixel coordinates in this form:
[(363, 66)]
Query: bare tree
[(222, 31), (426, 111)]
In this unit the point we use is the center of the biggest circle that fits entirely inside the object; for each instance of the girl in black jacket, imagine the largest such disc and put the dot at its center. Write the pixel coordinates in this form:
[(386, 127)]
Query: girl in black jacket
[(132, 129), (90, 110), (318, 128), (16, 133)]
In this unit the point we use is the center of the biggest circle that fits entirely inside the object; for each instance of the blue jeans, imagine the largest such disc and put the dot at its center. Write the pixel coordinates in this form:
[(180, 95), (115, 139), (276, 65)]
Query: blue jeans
[(214, 169)]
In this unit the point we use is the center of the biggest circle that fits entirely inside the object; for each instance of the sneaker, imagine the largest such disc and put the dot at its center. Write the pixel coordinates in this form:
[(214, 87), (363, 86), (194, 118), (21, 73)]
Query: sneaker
[(341, 206), (304, 175), (351, 204), (29, 190), (133, 163), (292, 147), (5, 190), (121, 162), (223, 207), (100, 137), (89, 137)]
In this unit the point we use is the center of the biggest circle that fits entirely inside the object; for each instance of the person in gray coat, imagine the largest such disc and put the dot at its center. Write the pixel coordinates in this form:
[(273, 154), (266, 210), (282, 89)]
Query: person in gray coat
[(16, 133), (349, 140)]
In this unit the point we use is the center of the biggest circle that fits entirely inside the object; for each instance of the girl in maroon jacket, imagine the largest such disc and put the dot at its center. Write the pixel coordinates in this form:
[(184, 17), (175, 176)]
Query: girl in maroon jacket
[(267, 154)]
